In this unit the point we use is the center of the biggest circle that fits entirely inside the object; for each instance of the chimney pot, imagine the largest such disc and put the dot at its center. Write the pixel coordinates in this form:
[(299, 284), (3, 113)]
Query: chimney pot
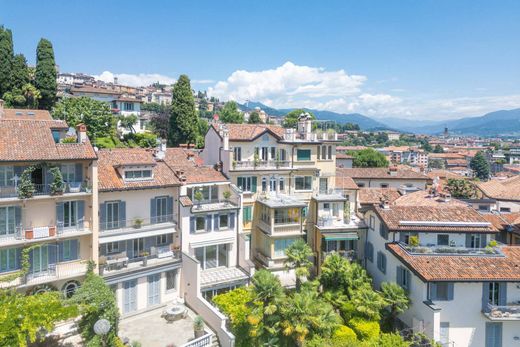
[(81, 132)]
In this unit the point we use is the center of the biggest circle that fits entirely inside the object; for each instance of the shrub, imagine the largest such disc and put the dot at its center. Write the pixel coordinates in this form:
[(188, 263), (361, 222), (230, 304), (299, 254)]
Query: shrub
[(344, 336), (392, 340), (57, 185), (414, 241), (69, 139), (365, 330)]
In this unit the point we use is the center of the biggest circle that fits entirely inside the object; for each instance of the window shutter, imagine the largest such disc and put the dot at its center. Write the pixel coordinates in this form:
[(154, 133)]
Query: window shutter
[(433, 291), (215, 222), (485, 296), (122, 214), (253, 184), (502, 293), (239, 183), (18, 258), (451, 287), (399, 275), (192, 225), (232, 220), (79, 172), (169, 207), (52, 250), (18, 216), (319, 153), (74, 249), (102, 216), (483, 242), (60, 250), (81, 213), (153, 210), (208, 222), (468, 240), (498, 334), (60, 215), (408, 275)]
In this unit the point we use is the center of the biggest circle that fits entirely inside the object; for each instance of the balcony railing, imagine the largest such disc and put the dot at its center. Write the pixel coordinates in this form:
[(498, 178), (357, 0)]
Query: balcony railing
[(136, 224), (507, 312), (448, 250), (41, 232), (155, 255), (348, 254), (203, 341), (43, 189), (261, 164)]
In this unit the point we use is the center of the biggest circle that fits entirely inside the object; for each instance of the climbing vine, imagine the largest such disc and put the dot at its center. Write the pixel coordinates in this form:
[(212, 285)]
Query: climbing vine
[(24, 268)]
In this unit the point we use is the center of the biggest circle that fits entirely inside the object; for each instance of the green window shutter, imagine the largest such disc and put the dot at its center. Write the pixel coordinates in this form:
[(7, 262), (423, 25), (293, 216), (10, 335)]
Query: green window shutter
[(253, 184), (240, 183)]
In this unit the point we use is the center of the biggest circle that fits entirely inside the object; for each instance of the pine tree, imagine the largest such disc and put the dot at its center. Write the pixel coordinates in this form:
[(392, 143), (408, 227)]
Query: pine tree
[(183, 119), (20, 72), (6, 60), (480, 166), (45, 78)]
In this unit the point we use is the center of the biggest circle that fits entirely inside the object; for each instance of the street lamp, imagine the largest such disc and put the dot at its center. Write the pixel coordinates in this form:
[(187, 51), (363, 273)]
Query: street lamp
[(101, 328)]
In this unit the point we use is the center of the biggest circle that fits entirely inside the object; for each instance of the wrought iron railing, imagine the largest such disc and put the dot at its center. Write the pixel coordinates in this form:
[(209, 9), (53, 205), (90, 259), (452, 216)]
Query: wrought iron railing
[(135, 224)]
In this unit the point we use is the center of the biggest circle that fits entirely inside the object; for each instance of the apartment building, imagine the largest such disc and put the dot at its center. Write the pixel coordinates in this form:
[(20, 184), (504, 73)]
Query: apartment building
[(438, 250), (48, 201), (506, 192), (279, 172), (405, 155)]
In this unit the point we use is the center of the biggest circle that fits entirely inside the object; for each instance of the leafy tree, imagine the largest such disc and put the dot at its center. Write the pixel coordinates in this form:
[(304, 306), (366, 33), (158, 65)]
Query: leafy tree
[(128, 122), (396, 301), (438, 149), (45, 78), (20, 72), (298, 254), (160, 120), (203, 127), (290, 120), (143, 140), (392, 340), (369, 158), (22, 317), (436, 164), (461, 188), (231, 114), (31, 95), (96, 115), (6, 60), (183, 119), (425, 145), (14, 99), (254, 118), (96, 301), (367, 302), (480, 166)]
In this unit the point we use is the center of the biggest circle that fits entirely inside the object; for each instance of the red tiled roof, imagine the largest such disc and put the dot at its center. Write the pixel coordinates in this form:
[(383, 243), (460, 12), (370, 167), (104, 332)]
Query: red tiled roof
[(32, 140), (343, 156), (501, 221), (185, 201), (369, 196), (380, 172), (444, 174), (24, 114), (188, 161), (94, 90), (461, 268), (345, 182), (507, 189), (433, 218), (424, 198), (249, 132)]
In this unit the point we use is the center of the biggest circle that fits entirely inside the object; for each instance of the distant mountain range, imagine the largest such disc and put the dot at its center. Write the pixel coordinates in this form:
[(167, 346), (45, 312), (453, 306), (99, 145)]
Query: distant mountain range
[(499, 123)]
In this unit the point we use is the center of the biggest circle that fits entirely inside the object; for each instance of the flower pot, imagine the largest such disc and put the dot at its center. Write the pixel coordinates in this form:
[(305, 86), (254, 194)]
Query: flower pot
[(199, 333), (101, 270), (29, 234), (145, 261)]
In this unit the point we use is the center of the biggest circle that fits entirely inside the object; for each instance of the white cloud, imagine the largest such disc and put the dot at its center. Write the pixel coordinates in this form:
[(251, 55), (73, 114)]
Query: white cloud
[(135, 80)]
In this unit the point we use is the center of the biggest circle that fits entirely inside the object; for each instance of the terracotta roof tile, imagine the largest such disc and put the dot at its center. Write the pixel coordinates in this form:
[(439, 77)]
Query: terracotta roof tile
[(249, 132), (345, 182), (380, 172), (185, 201), (507, 189), (343, 156), (369, 196), (424, 198), (501, 221), (24, 114), (444, 175), (188, 161), (462, 267)]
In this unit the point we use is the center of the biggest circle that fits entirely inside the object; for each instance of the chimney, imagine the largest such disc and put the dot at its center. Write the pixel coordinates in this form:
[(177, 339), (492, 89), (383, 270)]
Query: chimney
[(225, 139), (1, 108), (385, 204), (392, 170), (81, 132)]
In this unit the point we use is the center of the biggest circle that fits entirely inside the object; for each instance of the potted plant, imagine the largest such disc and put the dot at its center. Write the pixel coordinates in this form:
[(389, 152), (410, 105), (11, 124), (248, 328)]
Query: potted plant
[(256, 160), (227, 195), (234, 164), (198, 327), (26, 188), (492, 243), (102, 264), (413, 241), (57, 185), (138, 222), (198, 196), (145, 257)]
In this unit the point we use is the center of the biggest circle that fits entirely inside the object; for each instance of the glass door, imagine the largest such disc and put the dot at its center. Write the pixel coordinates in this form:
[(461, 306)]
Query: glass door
[(138, 247), (323, 185), (129, 296), (40, 261)]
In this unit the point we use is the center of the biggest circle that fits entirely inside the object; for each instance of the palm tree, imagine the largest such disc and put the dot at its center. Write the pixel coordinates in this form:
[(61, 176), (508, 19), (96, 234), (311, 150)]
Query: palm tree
[(298, 254), (396, 300), (367, 302)]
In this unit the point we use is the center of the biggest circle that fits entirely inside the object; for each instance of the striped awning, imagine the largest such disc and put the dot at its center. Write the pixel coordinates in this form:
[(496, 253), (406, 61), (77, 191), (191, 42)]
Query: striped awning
[(341, 236)]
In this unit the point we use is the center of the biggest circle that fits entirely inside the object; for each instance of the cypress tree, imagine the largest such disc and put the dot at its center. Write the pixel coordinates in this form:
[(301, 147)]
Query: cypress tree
[(480, 166), (20, 72), (45, 76), (6, 60), (183, 118)]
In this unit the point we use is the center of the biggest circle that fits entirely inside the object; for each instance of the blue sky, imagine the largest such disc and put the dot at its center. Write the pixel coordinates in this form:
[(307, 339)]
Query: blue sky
[(410, 59)]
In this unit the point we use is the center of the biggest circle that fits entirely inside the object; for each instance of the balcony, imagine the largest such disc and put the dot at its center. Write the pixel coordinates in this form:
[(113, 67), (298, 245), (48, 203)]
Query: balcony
[(448, 250), (28, 234), (261, 165), (52, 272), (350, 255), (213, 205), (502, 313), (136, 225), (337, 224), (329, 195), (44, 190), (288, 227)]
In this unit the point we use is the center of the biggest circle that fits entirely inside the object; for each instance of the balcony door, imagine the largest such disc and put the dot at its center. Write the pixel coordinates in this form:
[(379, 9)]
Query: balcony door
[(129, 296), (43, 260), (324, 186), (138, 247)]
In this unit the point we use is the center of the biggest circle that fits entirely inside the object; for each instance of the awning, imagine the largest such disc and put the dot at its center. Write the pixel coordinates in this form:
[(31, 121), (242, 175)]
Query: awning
[(341, 237)]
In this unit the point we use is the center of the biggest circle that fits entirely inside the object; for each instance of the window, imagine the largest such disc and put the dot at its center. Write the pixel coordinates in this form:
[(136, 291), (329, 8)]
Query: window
[(493, 334), (161, 239), (505, 209), (265, 152), (303, 183), (443, 240), (212, 256), (68, 171), (247, 214), (381, 262), (441, 291), (7, 220), (286, 215), (171, 280), (112, 215), (237, 153), (223, 222), (281, 184), (67, 250), (136, 175), (209, 193), (6, 176), (383, 231), (161, 209), (323, 152), (265, 215), (384, 185), (112, 247), (372, 223), (247, 184), (282, 156), (369, 251), (273, 153), (483, 207), (329, 152), (272, 184), (360, 185), (475, 240), (8, 259), (70, 214), (403, 277), (128, 106), (264, 184), (494, 293), (281, 245), (200, 223), (303, 154)]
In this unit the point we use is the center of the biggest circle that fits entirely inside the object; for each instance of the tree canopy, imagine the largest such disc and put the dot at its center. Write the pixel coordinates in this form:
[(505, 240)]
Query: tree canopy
[(290, 120), (461, 188), (369, 158), (480, 166), (254, 118), (6, 60), (183, 118), (231, 114), (46, 74)]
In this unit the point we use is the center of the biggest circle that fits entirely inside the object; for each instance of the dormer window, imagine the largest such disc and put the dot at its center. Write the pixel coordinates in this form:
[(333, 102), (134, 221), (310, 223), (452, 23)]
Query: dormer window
[(137, 175)]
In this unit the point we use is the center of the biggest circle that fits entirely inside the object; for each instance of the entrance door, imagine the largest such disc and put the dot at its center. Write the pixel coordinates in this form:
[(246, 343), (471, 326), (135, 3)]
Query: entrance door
[(154, 296), (129, 296), (323, 185)]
